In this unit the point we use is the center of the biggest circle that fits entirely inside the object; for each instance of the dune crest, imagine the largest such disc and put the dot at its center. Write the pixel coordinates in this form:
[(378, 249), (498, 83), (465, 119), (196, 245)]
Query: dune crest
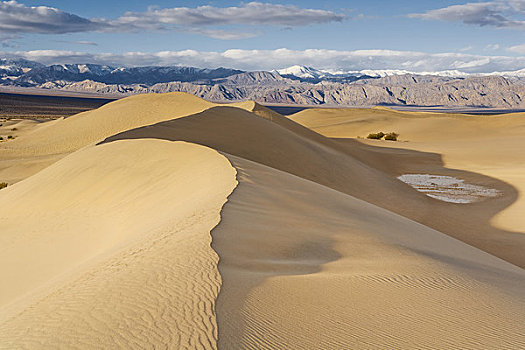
[(116, 249)]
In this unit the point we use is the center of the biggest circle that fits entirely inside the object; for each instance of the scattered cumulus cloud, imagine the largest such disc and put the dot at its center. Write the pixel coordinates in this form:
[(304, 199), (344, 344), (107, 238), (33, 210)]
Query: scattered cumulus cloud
[(281, 58), (500, 14), (517, 49), (222, 34), (7, 40), (78, 42), (466, 48), (19, 18), (252, 13), (492, 47)]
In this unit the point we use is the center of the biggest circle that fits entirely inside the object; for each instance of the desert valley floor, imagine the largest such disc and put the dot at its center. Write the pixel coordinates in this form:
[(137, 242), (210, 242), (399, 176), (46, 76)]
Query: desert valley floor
[(165, 221)]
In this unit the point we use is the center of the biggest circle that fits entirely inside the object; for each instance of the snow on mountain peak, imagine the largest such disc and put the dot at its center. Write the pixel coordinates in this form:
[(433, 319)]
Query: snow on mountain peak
[(307, 72), (300, 71)]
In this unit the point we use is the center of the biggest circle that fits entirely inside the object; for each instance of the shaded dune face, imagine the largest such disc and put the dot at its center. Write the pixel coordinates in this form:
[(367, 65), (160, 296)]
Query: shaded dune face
[(172, 222), (349, 167), (312, 268)]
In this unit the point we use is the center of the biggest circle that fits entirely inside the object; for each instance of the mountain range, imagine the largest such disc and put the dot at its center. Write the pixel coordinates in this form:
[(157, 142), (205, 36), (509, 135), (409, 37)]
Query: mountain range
[(294, 85)]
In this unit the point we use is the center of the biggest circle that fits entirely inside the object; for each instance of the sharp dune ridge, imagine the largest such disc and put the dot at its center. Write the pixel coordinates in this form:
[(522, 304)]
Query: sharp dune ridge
[(165, 221)]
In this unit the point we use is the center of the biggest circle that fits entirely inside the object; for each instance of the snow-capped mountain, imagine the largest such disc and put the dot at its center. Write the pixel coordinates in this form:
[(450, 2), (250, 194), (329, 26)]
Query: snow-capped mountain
[(12, 68), (120, 75), (292, 85), (309, 73), (512, 74)]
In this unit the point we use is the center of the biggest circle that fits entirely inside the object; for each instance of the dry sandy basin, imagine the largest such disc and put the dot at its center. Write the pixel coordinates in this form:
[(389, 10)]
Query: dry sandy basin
[(168, 222)]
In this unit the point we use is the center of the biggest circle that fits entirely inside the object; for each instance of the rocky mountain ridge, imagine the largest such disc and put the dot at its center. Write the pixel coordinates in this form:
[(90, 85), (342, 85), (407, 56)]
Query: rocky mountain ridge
[(312, 88)]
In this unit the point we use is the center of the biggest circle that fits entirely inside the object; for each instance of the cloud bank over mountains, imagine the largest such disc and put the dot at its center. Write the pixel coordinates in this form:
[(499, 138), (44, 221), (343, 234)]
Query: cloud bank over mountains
[(281, 58), (17, 18)]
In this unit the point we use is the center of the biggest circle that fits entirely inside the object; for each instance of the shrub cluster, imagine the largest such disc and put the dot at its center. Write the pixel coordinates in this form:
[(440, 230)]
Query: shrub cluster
[(391, 136), (3, 185), (376, 136)]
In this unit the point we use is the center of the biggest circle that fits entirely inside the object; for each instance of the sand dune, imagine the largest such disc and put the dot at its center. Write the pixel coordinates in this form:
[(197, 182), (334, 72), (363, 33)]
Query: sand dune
[(124, 239), (312, 268), (50, 141), (115, 250)]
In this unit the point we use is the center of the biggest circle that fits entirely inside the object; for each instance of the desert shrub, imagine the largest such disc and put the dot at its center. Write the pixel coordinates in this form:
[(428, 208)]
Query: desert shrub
[(3, 185), (10, 137), (14, 129), (376, 136), (391, 136), (1, 138)]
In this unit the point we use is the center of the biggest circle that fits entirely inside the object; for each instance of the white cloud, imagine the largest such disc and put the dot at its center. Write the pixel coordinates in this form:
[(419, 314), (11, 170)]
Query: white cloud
[(6, 40), (501, 14), (222, 34), (517, 49), (281, 58), (18, 18), (492, 47), (252, 13), (78, 42)]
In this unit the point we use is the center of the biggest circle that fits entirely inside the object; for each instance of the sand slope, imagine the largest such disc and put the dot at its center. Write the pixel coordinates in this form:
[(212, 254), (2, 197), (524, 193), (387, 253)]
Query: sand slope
[(312, 268), (110, 247), (490, 145)]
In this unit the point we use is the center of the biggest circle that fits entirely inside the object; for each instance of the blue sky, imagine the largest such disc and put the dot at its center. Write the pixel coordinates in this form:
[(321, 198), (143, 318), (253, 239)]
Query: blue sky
[(420, 35)]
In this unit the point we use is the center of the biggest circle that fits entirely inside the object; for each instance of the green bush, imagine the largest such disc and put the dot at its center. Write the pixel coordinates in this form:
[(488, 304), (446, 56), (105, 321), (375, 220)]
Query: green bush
[(391, 136), (3, 185), (377, 136), (10, 137)]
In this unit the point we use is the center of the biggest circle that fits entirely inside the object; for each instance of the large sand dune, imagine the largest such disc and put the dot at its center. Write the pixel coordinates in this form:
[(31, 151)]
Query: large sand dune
[(110, 247), (118, 234)]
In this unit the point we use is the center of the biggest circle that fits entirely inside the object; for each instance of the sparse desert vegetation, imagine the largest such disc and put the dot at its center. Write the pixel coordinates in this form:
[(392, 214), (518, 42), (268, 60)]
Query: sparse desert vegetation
[(391, 136), (3, 185), (376, 136)]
